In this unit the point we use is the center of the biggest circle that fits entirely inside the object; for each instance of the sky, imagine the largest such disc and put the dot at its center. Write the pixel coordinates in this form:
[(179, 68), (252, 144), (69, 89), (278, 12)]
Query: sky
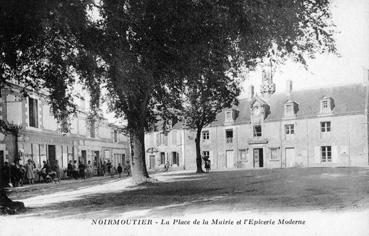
[(352, 20)]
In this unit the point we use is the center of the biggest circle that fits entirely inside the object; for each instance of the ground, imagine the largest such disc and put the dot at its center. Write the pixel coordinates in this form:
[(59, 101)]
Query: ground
[(183, 194)]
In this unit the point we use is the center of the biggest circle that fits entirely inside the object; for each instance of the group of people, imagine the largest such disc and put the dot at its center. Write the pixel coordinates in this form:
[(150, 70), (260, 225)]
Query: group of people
[(75, 170), (80, 170), (17, 174)]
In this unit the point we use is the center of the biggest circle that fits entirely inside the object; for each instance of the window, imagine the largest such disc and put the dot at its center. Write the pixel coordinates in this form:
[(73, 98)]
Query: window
[(274, 154), (205, 135), (33, 112), (158, 141), (115, 136), (289, 129), (175, 158), (229, 136), (257, 131), (289, 109), (326, 152), (325, 126), (243, 154), (228, 115), (162, 158), (206, 154), (174, 138), (326, 105), (92, 129), (165, 139)]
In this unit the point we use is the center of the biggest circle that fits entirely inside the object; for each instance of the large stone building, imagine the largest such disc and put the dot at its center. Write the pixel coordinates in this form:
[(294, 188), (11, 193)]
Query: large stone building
[(41, 140), (307, 128)]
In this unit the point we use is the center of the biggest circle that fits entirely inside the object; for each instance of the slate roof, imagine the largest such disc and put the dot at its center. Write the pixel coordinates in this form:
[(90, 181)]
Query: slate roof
[(348, 99)]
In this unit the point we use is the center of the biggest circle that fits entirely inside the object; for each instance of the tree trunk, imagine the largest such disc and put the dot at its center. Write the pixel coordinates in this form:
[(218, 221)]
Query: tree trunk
[(138, 161), (198, 152)]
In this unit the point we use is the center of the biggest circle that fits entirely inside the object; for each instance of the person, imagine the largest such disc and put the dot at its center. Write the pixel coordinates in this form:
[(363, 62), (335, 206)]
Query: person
[(17, 172), (103, 165), (74, 171), (89, 169), (112, 171), (128, 168), (120, 169), (166, 166), (45, 170), (81, 168), (207, 165), (108, 167), (56, 172), (29, 171), (6, 174), (70, 169)]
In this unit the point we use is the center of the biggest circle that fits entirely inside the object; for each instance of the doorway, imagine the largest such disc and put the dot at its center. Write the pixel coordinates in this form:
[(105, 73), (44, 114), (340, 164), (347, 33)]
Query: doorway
[(51, 155), (97, 157), (290, 157), (230, 159), (152, 162), (258, 157)]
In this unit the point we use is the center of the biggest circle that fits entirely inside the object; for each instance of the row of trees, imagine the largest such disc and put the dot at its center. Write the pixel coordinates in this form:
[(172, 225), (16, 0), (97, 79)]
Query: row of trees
[(154, 56)]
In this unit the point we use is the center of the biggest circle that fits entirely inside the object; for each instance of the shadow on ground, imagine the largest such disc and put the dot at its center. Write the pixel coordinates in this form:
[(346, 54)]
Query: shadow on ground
[(178, 194)]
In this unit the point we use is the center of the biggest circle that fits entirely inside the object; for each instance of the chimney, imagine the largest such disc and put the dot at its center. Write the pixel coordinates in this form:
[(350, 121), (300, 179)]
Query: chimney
[(251, 91), (289, 87)]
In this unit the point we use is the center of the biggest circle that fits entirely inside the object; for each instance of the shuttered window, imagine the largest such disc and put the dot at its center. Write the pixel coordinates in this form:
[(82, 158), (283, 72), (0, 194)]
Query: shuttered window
[(33, 112)]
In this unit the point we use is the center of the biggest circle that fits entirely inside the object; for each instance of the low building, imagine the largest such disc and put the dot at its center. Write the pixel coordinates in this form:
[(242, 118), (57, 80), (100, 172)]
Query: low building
[(41, 140), (325, 127)]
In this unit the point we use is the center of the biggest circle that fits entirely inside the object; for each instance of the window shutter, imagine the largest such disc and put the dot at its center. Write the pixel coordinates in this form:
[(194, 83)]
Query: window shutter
[(317, 154), (334, 154)]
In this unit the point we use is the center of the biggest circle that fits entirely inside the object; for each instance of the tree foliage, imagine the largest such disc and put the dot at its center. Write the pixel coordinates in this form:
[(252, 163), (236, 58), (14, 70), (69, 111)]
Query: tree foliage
[(39, 48), (145, 50)]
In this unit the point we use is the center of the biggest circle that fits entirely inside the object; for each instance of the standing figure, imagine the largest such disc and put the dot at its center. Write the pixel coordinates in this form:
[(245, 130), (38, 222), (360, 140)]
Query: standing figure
[(120, 169), (81, 168), (56, 168), (29, 171), (128, 168), (70, 169), (89, 169), (108, 167), (207, 165), (75, 171)]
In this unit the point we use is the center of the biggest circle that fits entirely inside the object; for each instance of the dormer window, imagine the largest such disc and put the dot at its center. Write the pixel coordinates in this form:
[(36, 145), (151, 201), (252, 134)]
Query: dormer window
[(260, 110), (228, 115), (290, 109), (326, 105)]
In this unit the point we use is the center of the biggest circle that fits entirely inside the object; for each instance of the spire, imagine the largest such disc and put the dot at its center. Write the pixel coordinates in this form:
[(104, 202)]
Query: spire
[(267, 87)]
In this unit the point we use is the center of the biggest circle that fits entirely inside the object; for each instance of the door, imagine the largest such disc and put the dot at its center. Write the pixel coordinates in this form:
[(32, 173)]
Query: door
[(152, 162), (258, 157), (230, 159), (290, 157), (51, 155)]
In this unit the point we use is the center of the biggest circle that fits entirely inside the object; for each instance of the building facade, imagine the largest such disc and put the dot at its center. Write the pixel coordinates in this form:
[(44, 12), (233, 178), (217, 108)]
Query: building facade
[(41, 140), (326, 127)]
